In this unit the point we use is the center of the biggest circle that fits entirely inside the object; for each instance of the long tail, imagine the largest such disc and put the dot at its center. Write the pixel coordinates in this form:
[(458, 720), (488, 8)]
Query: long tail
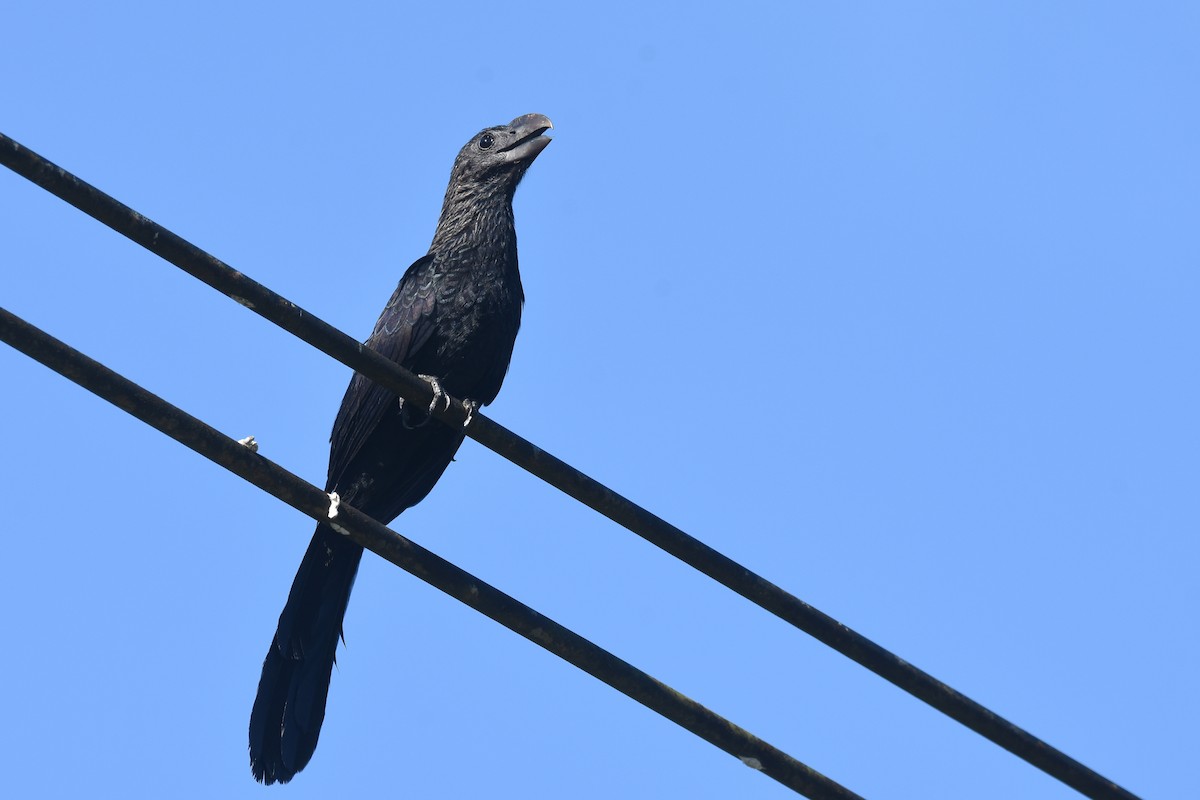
[(290, 707)]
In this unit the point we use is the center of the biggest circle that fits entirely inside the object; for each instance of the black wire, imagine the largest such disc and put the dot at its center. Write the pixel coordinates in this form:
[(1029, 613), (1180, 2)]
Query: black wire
[(755, 588), (429, 567)]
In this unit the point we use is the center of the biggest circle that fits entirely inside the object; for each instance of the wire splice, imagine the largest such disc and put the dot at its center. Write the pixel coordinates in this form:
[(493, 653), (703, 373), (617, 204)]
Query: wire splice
[(411, 557)]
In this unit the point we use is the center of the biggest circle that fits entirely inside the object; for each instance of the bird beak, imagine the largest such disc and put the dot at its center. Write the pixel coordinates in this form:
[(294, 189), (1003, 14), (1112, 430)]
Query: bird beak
[(529, 141)]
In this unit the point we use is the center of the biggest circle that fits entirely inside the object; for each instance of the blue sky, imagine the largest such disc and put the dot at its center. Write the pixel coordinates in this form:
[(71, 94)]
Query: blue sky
[(895, 304)]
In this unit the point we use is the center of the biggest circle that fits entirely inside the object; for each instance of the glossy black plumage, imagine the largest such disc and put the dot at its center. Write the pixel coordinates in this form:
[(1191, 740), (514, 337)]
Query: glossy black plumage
[(454, 316)]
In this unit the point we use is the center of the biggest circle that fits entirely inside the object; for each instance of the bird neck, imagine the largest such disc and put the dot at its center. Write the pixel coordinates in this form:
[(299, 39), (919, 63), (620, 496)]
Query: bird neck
[(476, 216)]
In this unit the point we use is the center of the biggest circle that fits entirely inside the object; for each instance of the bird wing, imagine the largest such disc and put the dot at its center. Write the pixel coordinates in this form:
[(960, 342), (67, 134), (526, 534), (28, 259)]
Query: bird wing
[(404, 327)]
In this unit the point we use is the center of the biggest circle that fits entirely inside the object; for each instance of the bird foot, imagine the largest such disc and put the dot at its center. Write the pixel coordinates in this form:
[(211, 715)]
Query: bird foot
[(438, 395), (410, 420), (472, 406)]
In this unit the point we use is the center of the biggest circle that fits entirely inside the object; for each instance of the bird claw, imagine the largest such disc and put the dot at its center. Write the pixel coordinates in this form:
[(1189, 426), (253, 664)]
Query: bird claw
[(439, 396), (472, 406)]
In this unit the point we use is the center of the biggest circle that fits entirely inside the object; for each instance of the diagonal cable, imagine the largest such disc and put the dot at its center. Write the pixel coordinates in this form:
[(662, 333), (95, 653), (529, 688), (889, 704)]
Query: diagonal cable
[(559, 474), (429, 567)]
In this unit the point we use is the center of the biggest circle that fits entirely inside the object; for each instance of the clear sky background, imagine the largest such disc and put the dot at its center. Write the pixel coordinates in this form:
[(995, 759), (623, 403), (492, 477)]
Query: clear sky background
[(896, 304)]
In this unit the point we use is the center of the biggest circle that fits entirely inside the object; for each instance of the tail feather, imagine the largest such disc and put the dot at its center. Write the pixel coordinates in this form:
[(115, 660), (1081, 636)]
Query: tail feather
[(290, 707)]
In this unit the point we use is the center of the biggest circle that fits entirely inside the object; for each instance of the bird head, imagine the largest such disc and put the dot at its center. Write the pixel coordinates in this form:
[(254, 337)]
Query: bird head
[(498, 156)]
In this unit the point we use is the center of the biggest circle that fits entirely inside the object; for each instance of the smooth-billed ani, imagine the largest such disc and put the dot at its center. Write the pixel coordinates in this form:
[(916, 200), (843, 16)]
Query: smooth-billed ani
[(453, 317)]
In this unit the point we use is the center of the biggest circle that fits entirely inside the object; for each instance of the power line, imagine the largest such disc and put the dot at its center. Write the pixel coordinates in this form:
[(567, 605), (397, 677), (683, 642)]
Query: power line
[(657, 531), (411, 557)]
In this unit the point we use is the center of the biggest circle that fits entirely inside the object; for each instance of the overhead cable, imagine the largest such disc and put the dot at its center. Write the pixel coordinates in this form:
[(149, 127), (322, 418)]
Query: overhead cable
[(558, 473)]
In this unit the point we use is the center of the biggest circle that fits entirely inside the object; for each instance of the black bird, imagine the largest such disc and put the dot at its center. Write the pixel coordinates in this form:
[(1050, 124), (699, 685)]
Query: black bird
[(452, 319)]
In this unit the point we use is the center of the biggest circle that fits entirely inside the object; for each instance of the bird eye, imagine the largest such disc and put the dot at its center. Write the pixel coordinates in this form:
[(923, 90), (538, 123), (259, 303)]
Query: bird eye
[(486, 141)]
